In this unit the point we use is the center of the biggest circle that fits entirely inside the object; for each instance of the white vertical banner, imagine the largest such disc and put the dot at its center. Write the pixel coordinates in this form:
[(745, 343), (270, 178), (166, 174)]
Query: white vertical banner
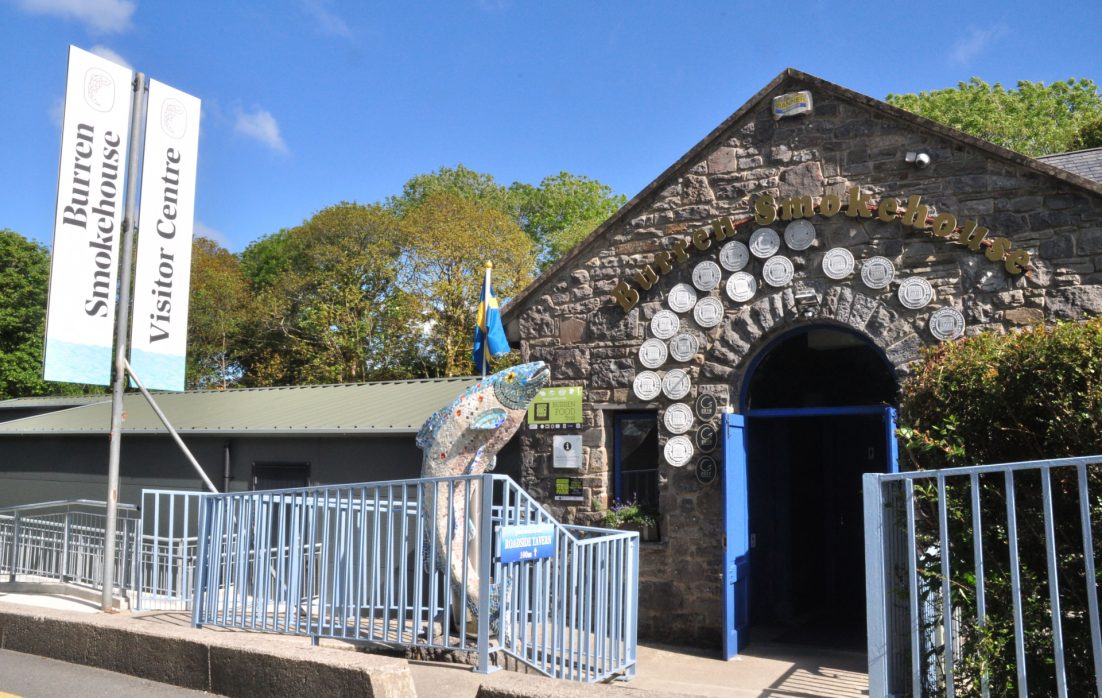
[(158, 337), (80, 317)]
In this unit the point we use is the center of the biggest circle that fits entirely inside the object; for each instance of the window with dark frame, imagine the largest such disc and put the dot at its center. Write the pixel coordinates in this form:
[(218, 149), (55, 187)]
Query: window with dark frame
[(635, 458)]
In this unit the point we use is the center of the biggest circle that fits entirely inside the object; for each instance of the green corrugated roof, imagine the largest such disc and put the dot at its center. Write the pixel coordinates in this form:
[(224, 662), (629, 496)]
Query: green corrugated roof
[(389, 407), (51, 401)]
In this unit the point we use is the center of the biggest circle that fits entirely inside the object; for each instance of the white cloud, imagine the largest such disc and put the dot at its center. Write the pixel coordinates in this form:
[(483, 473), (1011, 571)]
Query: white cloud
[(259, 125), (104, 52), (56, 111), (967, 48), (203, 230), (104, 16), (328, 23)]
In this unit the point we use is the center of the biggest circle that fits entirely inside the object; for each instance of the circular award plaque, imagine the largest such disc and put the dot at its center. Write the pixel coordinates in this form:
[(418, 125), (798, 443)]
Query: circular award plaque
[(664, 324), (678, 418), (652, 353), (707, 438), (682, 298), (946, 323), (734, 256), (708, 312), (764, 242), (915, 292), (678, 451), (706, 406), (741, 286), (877, 272), (706, 470), (676, 384), (707, 276), (683, 347), (777, 271), (647, 385), (799, 235), (838, 263)]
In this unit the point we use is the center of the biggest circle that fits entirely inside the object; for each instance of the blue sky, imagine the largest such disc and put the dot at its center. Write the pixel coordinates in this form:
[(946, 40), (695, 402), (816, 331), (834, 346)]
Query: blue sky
[(310, 102)]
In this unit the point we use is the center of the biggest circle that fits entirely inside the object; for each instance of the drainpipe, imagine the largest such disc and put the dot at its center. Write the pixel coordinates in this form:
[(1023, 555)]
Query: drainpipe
[(227, 474)]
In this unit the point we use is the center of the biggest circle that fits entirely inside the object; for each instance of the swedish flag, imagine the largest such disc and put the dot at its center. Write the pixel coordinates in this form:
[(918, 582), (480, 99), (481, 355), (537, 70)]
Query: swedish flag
[(489, 335)]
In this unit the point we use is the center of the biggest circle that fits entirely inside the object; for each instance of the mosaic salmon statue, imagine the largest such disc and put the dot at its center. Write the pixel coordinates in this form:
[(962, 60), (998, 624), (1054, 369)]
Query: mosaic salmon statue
[(462, 439)]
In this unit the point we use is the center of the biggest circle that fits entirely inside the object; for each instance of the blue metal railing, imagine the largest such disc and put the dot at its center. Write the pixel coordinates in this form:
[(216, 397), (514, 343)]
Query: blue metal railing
[(63, 541), (970, 570), (375, 562)]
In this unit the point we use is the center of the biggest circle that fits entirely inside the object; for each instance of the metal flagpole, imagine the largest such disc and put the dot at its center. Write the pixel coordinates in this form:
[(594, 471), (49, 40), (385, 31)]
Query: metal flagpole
[(122, 323), (486, 300)]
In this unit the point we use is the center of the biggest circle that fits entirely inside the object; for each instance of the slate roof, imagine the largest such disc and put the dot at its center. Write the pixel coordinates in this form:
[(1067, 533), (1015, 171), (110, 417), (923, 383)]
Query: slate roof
[(1085, 163), (386, 407)]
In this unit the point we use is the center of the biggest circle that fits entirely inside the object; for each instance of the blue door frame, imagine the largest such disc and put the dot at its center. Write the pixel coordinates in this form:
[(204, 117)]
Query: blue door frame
[(736, 509)]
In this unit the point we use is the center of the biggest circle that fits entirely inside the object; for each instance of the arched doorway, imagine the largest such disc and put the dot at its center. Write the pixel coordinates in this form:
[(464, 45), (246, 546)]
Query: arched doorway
[(816, 412)]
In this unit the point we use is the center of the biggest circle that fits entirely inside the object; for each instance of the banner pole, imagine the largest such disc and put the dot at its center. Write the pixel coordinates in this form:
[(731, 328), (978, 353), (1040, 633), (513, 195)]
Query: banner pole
[(122, 326)]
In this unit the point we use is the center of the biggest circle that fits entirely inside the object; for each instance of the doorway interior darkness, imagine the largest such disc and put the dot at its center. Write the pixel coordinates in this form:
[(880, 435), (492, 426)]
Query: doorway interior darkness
[(805, 457)]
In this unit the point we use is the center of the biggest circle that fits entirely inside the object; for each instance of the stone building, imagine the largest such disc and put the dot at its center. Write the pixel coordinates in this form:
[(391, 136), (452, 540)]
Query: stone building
[(791, 266)]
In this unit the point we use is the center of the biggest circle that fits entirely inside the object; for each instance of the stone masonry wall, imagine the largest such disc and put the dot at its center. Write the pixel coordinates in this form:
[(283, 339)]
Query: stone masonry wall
[(572, 323)]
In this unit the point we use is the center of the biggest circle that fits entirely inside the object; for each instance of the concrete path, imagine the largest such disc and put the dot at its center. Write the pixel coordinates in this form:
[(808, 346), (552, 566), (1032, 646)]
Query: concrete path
[(239, 663)]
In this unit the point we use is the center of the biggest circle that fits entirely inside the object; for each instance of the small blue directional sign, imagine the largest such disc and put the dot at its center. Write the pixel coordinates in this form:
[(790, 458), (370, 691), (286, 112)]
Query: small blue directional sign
[(526, 542)]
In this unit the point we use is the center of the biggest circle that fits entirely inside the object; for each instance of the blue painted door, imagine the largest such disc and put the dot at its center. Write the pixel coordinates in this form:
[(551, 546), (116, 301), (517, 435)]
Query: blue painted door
[(736, 529)]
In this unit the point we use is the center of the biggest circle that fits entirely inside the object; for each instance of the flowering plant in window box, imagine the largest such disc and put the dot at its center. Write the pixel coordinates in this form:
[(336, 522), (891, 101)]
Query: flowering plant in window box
[(630, 515)]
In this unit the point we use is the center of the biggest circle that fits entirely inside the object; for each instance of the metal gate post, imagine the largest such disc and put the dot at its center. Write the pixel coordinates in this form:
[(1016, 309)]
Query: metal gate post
[(485, 557), (14, 546), (201, 561), (876, 591), (65, 545)]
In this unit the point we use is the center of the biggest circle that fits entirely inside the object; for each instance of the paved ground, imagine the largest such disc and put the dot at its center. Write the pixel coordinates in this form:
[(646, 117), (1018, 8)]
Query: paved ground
[(27, 676), (765, 670)]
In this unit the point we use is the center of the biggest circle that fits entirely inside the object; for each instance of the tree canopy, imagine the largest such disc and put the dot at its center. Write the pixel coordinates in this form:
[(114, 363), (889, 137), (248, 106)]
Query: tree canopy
[(1033, 119)]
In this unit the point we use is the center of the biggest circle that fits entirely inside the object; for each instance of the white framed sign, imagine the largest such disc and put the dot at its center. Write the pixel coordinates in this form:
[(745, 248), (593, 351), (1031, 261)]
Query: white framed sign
[(95, 136), (567, 451)]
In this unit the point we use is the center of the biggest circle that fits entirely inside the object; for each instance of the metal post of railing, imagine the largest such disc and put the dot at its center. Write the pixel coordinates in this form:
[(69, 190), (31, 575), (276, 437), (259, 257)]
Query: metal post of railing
[(65, 545), (485, 557), (14, 546), (201, 562), (875, 586)]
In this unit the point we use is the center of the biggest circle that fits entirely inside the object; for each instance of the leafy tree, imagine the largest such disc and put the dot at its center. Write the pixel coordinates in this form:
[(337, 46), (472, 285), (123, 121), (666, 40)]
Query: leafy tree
[(219, 311), (447, 240), (460, 181), (328, 307), (1034, 119), (562, 210)]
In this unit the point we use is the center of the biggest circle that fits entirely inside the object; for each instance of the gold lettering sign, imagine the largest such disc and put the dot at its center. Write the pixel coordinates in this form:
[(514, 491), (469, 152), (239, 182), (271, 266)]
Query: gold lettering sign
[(856, 204)]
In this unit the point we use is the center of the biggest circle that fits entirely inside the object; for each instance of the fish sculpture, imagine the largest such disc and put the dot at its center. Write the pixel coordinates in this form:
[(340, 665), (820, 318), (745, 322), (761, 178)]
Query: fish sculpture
[(463, 439)]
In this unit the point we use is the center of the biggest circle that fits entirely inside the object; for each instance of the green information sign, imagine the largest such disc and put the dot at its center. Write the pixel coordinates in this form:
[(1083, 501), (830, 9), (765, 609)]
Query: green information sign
[(556, 408)]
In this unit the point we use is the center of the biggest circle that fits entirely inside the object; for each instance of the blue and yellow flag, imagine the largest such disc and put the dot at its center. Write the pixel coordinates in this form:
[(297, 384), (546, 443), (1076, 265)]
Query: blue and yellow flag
[(489, 335)]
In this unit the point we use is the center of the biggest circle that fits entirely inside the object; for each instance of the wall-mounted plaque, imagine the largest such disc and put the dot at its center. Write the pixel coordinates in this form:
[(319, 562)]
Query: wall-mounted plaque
[(678, 451), (946, 323), (676, 384), (734, 256), (838, 263), (682, 298), (708, 312), (647, 385), (764, 243), (664, 324), (792, 104), (706, 470), (678, 418), (707, 438), (556, 408), (741, 287), (652, 353), (567, 452), (569, 489), (877, 272), (707, 275), (706, 406), (777, 271), (683, 347), (915, 292), (799, 235)]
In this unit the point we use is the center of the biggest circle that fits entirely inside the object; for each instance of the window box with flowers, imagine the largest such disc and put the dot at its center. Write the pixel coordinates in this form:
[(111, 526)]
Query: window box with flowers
[(632, 516)]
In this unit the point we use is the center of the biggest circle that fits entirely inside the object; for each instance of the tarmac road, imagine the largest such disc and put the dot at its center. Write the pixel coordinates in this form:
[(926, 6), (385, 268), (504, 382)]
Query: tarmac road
[(28, 676)]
